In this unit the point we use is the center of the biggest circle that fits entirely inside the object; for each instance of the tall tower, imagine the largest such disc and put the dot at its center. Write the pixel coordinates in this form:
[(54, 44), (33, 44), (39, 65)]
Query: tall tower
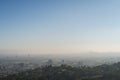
[(62, 62)]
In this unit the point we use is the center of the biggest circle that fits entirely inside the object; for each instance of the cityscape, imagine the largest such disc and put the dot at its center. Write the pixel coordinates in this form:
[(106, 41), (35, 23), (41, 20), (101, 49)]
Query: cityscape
[(59, 40)]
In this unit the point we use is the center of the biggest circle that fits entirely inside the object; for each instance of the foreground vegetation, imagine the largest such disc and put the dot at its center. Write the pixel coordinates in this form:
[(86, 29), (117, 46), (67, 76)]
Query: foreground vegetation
[(65, 72)]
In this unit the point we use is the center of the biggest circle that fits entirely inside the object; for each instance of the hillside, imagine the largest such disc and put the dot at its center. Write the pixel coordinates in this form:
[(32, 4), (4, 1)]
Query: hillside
[(65, 72)]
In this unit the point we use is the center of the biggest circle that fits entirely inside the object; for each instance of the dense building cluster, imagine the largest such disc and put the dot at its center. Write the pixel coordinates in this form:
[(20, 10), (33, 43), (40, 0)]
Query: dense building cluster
[(67, 72)]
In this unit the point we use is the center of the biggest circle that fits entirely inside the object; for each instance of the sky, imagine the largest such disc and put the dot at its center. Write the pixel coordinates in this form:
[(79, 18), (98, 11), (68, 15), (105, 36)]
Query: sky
[(60, 26)]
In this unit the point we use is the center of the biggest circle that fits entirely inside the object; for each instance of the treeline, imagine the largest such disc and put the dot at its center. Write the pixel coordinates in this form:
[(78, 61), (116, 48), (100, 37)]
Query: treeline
[(66, 72)]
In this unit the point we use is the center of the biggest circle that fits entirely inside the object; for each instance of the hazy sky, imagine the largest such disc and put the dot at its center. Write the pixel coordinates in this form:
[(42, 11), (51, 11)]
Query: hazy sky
[(60, 26)]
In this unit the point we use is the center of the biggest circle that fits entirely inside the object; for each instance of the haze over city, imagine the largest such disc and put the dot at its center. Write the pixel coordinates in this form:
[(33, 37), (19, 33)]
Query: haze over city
[(59, 39)]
